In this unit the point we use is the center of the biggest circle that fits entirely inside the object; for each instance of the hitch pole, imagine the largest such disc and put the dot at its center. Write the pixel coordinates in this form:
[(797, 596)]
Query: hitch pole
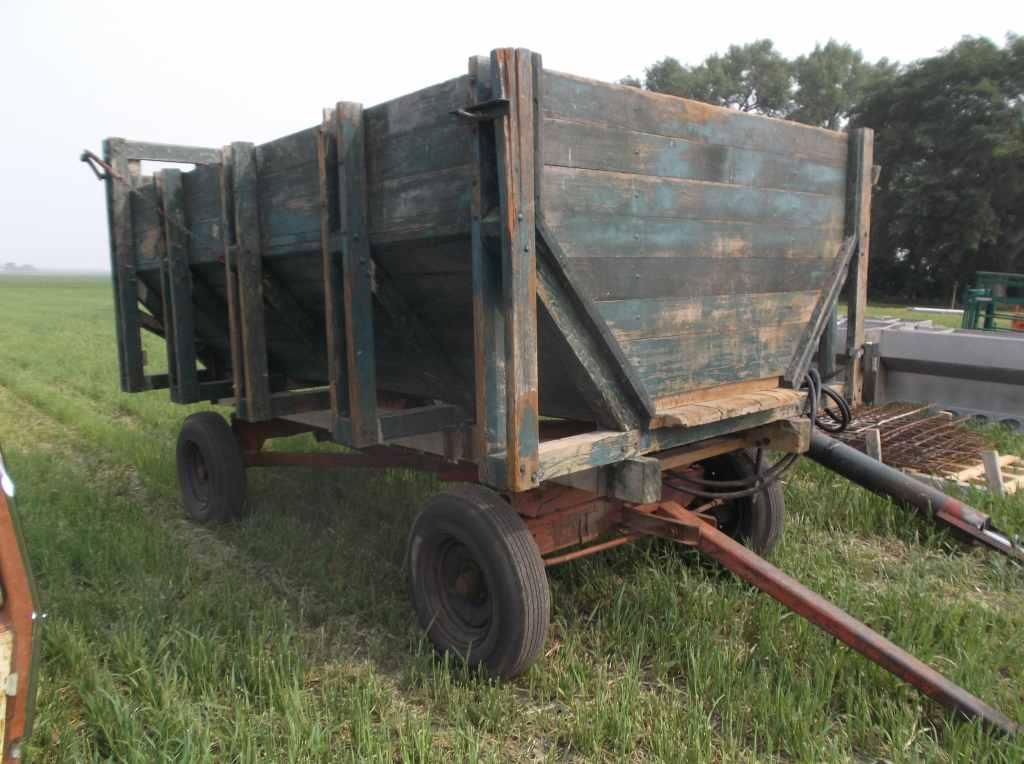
[(687, 528), (904, 490)]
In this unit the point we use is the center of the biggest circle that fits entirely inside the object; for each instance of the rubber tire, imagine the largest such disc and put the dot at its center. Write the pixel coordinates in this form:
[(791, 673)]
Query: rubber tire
[(761, 516), (501, 546), (209, 435)]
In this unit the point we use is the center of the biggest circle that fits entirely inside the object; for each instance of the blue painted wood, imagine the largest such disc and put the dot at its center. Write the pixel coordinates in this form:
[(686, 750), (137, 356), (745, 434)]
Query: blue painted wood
[(356, 265), (575, 192), (588, 145), (581, 99), (488, 308)]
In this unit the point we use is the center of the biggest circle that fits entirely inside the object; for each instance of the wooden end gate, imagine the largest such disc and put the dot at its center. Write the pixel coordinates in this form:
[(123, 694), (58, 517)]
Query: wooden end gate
[(593, 305)]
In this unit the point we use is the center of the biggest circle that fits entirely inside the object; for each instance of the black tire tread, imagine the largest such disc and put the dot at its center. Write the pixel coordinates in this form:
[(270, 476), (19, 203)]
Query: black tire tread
[(223, 457)]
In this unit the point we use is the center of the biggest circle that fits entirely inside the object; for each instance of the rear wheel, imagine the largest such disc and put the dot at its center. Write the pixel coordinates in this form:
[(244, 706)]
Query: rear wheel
[(477, 581), (211, 473), (754, 521)]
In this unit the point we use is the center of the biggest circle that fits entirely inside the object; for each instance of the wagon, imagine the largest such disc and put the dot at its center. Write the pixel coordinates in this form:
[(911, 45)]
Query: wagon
[(592, 308)]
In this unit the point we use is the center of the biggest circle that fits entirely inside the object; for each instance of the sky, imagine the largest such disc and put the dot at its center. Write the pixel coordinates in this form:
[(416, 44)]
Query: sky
[(209, 73)]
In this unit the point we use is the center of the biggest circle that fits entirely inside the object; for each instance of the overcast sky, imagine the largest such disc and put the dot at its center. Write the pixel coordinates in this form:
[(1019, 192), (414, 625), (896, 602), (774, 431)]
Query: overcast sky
[(208, 73)]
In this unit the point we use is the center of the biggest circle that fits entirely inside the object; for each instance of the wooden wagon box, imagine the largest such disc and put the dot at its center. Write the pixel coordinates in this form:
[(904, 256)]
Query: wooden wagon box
[(531, 271)]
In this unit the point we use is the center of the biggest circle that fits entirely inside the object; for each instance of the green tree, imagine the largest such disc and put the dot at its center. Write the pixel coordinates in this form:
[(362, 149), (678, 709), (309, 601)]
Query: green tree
[(754, 77), (950, 139), (830, 80)]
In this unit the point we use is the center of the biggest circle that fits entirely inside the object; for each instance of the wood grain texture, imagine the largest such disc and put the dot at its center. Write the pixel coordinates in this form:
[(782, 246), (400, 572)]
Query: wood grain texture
[(250, 282), (178, 296), (702, 314), (862, 143), (356, 278), (512, 78), (591, 146), (227, 206), (328, 180), (577, 98), (122, 266), (574, 191)]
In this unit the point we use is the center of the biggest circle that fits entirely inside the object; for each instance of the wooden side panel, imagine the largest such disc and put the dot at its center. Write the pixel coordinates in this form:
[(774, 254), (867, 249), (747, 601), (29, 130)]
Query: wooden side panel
[(704, 235), (289, 191), (202, 197), (419, 164)]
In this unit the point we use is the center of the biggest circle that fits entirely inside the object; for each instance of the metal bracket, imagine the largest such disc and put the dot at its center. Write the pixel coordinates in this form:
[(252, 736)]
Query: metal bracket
[(486, 111)]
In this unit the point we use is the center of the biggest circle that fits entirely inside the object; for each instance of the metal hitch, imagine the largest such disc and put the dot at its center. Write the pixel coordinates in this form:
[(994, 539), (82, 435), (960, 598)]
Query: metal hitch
[(885, 481), (671, 520)]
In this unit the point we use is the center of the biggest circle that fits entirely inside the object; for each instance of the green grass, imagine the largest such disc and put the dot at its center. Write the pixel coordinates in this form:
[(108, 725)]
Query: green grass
[(288, 637)]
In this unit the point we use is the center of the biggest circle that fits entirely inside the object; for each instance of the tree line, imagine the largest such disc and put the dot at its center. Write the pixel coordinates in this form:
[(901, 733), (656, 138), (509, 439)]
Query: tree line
[(949, 136)]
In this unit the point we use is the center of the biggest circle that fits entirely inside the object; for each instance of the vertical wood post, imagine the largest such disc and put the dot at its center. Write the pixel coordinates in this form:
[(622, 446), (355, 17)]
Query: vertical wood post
[(249, 266), (858, 223), (227, 222), (334, 309), (356, 270), (122, 266), (178, 305), (488, 307), (873, 443), (993, 473), (512, 76)]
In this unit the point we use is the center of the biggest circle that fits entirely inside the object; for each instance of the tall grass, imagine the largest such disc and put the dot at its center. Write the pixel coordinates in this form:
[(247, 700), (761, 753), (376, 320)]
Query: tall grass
[(287, 636)]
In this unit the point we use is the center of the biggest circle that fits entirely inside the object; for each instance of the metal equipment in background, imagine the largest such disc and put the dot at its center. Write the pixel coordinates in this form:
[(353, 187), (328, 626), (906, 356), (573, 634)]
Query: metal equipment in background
[(995, 298)]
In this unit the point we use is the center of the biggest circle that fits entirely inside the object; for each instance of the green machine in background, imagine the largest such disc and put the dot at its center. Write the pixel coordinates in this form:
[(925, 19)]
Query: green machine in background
[(995, 296)]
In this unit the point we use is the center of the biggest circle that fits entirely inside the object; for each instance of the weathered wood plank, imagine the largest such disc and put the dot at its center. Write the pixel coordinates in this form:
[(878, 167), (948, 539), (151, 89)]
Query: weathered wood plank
[(813, 329), (579, 98), (862, 142), (122, 266), (356, 267), (422, 203), (597, 192), (670, 365), (621, 395), (703, 314), (227, 207), (415, 111), (612, 278), (610, 235), (202, 197), (146, 225), (426, 150), (329, 178), (167, 152), (250, 282), (287, 152), (512, 78), (489, 433), (590, 146), (178, 300)]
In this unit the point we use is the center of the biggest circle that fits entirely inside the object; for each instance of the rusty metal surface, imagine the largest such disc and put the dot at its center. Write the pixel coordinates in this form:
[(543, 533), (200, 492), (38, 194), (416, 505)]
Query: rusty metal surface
[(915, 437), (17, 615), (688, 528)]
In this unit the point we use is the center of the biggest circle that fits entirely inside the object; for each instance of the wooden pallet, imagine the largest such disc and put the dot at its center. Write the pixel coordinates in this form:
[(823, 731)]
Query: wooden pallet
[(1002, 475)]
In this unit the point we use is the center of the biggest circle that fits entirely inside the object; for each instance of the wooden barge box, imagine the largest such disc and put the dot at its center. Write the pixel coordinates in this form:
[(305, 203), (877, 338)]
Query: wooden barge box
[(579, 299)]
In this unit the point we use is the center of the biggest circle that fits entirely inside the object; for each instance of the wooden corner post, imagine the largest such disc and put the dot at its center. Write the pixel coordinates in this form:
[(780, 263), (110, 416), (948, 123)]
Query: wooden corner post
[(356, 275), (176, 281), (858, 224), (512, 78), (122, 264), (248, 266)]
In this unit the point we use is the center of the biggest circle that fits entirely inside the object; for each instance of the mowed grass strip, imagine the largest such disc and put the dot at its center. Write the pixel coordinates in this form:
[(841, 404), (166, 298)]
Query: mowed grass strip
[(287, 636)]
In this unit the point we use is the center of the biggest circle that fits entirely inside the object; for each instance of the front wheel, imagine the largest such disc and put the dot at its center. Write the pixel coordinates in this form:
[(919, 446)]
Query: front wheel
[(477, 581), (754, 521), (211, 473)]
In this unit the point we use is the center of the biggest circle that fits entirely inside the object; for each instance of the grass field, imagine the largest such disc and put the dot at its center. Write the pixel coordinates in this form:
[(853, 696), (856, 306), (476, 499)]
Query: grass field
[(288, 637)]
